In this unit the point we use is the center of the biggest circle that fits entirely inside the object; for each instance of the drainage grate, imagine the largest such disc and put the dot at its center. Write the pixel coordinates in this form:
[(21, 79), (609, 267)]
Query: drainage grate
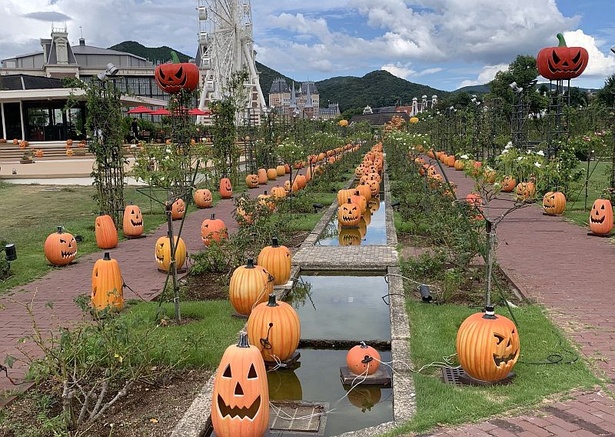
[(456, 375), (305, 417), (452, 375)]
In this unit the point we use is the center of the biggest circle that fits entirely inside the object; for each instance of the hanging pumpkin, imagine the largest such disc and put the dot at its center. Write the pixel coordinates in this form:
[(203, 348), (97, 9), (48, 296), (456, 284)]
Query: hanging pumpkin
[(554, 203), (274, 328), (561, 62), (349, 214), (363, 359), (105, 232), (107, 284), (163, 253), (178, 209), (252, 181), (249, 286), (487, 346), (213, 229), (226, 188), (277, 260), (132, 222), (176, 76), (203, 198), (60, 248), (240, 398), (601, 217)]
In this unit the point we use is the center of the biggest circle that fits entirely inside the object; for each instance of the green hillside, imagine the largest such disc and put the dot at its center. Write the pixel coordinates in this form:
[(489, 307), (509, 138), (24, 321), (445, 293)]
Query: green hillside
[(158, 55)]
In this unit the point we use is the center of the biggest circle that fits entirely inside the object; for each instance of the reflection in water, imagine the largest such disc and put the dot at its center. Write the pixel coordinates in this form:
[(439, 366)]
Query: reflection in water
[(371, 229), (284, 385)]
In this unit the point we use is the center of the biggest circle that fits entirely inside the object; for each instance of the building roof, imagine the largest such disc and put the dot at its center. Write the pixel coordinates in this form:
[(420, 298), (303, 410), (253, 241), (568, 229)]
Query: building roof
[(13, 82), (279, 86)]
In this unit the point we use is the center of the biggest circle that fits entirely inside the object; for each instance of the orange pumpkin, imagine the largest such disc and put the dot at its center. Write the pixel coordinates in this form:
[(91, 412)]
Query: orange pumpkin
[(213, 229), (163, 253), (107, 284), (203, 198), (226, 188), (178, 209), (249, 286), (280, 170), (252, 181), (262, 176), (275, 329), (60, 248), (554, 203), (174, 77), (272, 174), (363, 359), (105, 232), (349, 214), (509, 183), (132, 222), (277, 260), (240, 398), (488, 346), (601, 217), (278, 192), (562, 62)]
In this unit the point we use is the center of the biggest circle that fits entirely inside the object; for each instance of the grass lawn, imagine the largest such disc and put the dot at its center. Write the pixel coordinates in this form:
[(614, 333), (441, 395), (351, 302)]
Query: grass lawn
[(579, 201)]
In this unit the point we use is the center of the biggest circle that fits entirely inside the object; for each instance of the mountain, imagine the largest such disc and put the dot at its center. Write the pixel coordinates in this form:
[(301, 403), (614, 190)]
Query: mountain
[(376, 89)]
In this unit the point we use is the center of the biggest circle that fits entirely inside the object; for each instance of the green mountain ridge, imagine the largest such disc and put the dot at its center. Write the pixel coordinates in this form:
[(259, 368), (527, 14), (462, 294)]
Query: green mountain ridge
[(376, 89)]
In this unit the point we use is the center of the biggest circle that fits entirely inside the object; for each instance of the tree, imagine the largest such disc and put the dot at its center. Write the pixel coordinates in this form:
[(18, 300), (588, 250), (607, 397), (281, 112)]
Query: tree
[(606, 95)]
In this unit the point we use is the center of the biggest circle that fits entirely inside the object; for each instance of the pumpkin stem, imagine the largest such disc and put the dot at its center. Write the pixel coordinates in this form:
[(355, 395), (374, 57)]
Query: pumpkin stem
[(107, 257), (243, 340), (60, 231), (274, 242), (213, 216), (272, 302), (562, 41), (174, 57), (250, 264), (362, 344), (489, 313)]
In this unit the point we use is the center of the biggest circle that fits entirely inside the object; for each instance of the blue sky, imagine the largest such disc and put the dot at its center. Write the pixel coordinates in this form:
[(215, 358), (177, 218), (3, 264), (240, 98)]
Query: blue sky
[(445, 44)]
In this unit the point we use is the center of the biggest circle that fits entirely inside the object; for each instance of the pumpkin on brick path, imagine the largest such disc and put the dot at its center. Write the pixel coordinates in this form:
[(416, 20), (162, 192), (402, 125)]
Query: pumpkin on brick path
[(203, 198), (240, 397), (262, 176), (132, 221), (601, 217), (60, 248), (509, 184), (272, 174), (213, 229), (226, 188), (274, 328), (276, 259), (163, 253), (280, 170), (107, 285), (554, 203), (488, 346), (252, 181), (105, 232), (249, 286), (363, 359), (176, 76), (178, 209), (561, 62)]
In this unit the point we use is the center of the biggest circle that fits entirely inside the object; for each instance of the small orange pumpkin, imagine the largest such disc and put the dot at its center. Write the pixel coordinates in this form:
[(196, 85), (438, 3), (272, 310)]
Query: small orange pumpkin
[(276, 259), (178, 209), (554, 203), (349, 214), (226, 188), (601, 217), (252, 181), (363, 359), (213, 229), (203, 198), (132, 221), (60, 248), (249, 286)]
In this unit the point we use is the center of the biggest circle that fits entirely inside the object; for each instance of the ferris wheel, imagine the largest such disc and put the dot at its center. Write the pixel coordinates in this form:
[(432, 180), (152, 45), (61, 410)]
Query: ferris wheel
[(226, 48)]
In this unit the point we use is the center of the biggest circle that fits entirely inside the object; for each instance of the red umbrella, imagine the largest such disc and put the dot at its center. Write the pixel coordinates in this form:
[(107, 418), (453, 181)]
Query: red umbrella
[(160, 111), (139, 110), (197, 111)]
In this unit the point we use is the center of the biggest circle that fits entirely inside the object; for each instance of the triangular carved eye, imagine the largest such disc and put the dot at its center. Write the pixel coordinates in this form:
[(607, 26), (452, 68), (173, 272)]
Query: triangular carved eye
[(499, 337), (252, 372), (227, 372), (179, 73)]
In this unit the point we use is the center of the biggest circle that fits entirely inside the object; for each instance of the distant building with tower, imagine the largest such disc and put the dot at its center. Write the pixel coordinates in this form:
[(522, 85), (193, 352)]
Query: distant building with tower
[(299, 102)]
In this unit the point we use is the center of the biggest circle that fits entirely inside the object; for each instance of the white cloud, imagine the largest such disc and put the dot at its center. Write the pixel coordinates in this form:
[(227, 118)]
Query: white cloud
[(599, 65), (485, 76)]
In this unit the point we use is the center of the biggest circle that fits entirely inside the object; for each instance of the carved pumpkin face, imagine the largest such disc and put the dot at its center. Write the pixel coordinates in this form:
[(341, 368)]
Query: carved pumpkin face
[(132, 223), (163, 253), (252, 181), (374, 187), (349, 214), (487, 346), (601, 217), (178, 209), (60, 248), (561, 62), (554, 203), (508, 184), (172, 78), (203, 198), (226, 188), (240, 403), (213, 229)]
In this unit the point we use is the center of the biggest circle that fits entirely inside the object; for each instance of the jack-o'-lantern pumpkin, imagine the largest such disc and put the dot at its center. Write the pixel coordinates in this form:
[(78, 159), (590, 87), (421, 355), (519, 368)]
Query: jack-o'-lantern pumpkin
[(509, 183), (240, 398), (349, 236), (554, 203), (363, 359), (275, 329), (107, 285), (252, 181), (213, 229), (360, 200), (524, 191), (276, 259), (278, 192), (178, 209), (266, 200), (487, 346), (132, 221), (226, 188), (364, 191), (203, 198), (176, 76), (250, 285), (105, 232), (374, 187), (601, 217), (348, 214), (60, 248), (163, 253), (287, 187), (301, 181), (70, 152), (344, 195), (561, 62)]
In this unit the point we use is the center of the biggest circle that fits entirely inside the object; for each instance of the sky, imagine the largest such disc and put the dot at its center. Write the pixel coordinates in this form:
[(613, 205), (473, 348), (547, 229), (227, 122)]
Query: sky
[(445, 44)]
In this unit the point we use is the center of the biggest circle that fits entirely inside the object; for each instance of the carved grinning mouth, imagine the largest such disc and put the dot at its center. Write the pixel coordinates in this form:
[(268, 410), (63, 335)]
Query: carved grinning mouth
[(599, 221), (240, 412), (503, 360), (66, 254), (136, 223)]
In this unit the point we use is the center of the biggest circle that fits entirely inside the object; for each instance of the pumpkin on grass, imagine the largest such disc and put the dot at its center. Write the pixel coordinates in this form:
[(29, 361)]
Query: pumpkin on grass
[(240, 398), (60, 248), (107, 285)]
